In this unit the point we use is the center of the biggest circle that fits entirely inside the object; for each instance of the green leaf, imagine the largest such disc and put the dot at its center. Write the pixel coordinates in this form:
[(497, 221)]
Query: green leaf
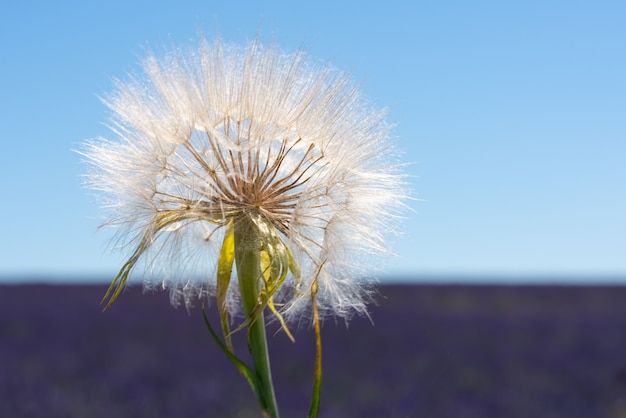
[(243, 368), (224, 273), (118, 284), (161, 220), (294, 267)]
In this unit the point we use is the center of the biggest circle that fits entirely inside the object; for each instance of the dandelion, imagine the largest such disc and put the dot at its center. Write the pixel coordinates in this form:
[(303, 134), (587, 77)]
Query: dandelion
[(254, 177)]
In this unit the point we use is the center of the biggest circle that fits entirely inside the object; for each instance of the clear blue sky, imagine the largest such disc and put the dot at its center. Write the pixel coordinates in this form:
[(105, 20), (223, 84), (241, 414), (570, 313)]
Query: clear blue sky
[(513, 113)]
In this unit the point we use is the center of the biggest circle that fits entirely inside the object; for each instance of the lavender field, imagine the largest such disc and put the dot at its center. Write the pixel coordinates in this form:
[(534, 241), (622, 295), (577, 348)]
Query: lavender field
[(432, 351)]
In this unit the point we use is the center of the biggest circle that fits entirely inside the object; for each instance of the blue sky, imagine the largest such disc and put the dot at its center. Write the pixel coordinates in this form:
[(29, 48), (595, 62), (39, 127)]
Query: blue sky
[(513, 116)]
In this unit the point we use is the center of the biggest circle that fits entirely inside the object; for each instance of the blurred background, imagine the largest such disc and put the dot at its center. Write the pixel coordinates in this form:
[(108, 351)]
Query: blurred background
[(506, 296)]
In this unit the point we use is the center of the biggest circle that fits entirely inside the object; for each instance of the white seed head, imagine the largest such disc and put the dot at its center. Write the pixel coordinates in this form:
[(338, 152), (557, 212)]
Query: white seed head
[(224, 131)]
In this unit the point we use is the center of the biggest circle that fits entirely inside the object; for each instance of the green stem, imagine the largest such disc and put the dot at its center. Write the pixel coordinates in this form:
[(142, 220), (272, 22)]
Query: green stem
[(317, 385), (248, 261)]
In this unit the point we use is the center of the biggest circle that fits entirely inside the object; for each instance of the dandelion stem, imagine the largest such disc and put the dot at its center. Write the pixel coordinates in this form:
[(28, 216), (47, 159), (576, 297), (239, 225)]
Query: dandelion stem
[(248, 262), (317, 385)]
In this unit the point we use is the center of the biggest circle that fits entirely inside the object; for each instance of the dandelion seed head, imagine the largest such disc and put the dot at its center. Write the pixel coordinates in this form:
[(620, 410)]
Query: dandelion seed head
[(225, 132)]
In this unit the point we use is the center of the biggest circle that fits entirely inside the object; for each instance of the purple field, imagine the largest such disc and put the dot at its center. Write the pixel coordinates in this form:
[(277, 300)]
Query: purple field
[(432, 351)]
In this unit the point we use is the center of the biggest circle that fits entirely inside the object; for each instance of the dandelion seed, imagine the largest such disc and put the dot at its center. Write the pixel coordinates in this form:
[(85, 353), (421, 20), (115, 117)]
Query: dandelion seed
[(252, 160)]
